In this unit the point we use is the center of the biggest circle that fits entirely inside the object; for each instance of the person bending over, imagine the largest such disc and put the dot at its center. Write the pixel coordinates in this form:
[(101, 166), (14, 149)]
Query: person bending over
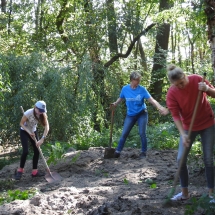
[(181, 101), (28, 131)]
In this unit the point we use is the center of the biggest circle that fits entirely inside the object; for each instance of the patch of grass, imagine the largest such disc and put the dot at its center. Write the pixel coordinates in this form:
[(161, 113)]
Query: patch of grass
[(11, 195)]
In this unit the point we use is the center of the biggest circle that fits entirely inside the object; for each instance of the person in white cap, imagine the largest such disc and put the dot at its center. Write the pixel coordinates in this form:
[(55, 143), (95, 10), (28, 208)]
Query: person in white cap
[(28, 131)]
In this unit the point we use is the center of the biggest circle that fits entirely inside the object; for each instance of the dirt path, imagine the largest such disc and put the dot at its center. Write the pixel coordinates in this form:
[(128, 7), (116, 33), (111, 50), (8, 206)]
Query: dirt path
[(93, 185)]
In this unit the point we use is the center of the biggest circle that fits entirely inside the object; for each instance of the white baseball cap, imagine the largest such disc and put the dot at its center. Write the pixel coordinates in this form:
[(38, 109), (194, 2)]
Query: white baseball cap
[(41, 105)]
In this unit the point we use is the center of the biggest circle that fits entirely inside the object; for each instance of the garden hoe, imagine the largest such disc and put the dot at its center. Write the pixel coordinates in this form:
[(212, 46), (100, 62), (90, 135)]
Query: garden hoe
[(109, 151), (50, 176), (172, 191)]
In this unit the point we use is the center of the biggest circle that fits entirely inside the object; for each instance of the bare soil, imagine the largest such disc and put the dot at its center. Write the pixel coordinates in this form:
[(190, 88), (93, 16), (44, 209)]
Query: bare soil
[(92, 185)]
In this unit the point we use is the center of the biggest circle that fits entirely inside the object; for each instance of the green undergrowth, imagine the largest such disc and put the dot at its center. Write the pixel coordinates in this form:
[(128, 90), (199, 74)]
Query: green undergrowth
[(160, 137), (201, 204), (11, 195)]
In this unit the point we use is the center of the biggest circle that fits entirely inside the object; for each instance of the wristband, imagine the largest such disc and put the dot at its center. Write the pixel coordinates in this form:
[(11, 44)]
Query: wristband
[(43, 137)]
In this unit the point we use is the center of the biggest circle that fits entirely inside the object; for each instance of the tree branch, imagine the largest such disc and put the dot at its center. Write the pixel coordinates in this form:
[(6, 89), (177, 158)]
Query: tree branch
[(117, 56)]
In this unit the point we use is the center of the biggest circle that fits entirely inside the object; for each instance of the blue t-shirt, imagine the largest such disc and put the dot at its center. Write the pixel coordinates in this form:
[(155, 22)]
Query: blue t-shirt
[(134, 99)]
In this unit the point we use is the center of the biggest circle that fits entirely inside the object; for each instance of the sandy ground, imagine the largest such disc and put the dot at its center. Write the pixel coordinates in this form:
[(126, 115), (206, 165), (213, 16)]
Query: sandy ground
[(92, 185)]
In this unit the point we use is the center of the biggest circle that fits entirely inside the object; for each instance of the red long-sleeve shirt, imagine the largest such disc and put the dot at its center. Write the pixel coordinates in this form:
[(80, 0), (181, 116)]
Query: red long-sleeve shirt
[(181, 103)]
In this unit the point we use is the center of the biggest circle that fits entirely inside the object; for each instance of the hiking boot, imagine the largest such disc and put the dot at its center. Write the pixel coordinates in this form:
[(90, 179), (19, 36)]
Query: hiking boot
[(142, 155), (116, 155), (17, 175), (39, 174)]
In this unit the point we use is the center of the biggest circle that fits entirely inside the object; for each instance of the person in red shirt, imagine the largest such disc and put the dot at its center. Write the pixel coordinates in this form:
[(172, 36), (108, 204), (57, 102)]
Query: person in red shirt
[(181, 101)]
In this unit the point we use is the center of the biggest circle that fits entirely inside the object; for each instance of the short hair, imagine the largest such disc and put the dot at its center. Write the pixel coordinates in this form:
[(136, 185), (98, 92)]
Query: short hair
[(174, 73), (134, 76)]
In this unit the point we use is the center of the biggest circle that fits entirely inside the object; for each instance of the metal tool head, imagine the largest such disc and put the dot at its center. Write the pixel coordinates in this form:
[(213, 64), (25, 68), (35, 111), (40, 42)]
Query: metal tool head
[(53, 177)]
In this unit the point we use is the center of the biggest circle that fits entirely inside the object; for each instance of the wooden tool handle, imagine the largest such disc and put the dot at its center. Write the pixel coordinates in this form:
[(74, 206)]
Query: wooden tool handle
[(111, 125), (195, 108)]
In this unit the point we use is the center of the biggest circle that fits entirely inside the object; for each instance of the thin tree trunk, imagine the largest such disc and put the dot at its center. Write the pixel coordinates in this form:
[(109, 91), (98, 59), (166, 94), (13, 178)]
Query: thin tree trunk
[(143, 56), (209, 10), (3, 21)]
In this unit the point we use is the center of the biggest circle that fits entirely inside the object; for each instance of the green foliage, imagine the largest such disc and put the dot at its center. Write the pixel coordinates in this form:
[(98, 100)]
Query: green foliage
[(6, 184), (153, 186), (126, 181), (202, 203), (75, 158), (151, 182), (196, 148), (163, 136), (86, 136), (160, 136), (11, 195), (55, 152)]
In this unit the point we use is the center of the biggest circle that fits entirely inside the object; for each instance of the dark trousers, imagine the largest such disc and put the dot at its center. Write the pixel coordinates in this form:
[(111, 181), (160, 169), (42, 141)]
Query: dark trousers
[(25, 149)]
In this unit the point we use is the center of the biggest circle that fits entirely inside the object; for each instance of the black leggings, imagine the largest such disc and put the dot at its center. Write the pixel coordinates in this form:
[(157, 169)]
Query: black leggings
[(24, 140)]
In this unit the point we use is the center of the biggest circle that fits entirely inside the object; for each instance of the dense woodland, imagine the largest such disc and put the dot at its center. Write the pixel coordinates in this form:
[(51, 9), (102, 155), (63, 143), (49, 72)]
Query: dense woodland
[(76, 56)]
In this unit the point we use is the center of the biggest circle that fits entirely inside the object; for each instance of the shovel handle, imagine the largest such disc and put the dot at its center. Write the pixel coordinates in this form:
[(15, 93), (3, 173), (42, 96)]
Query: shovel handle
[(22, 109), (195, 108), (42, 156), (111, 125)]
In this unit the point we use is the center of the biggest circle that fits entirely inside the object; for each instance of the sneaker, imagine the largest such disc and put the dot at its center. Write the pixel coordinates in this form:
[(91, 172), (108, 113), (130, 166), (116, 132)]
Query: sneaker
[(39, 174), (17, 175), (142, 155), (180, 197), (212, 200), (116, 155)]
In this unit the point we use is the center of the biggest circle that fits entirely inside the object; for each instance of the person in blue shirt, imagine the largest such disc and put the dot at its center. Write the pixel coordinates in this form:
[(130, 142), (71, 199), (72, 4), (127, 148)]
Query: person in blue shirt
[(134, 96)]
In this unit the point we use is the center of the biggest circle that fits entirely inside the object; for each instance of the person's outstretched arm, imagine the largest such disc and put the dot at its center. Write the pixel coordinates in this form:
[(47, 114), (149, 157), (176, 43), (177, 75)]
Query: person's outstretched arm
[(117, 101), (162, 110)]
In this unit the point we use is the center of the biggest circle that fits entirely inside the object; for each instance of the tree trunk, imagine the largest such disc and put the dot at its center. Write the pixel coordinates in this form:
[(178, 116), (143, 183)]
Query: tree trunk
[(3, 21), (143, 56), (159, 66), (112, 36), (209, 10)]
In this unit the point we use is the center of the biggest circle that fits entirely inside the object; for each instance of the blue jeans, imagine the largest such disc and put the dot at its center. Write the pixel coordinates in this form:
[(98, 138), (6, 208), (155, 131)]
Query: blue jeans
[(142, 119), (207, 139)]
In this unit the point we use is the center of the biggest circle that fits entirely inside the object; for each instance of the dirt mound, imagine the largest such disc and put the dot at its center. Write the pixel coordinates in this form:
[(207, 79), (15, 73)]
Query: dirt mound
[(93, 185)]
